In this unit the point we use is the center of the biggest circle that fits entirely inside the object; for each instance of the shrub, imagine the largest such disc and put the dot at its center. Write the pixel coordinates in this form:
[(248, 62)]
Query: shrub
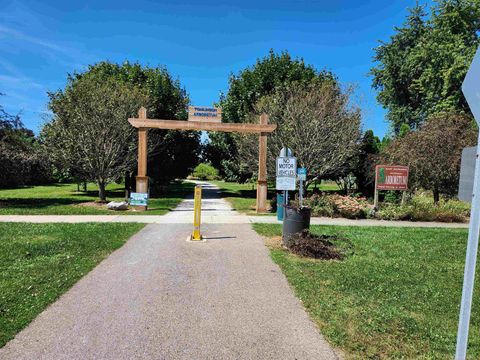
[(421, 208), (418, 208), (24, 167), (351, 207), (205, 172), (335, 205)]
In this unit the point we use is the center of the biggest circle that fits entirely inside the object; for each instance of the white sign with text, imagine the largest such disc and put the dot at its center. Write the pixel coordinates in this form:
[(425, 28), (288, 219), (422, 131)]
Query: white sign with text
[(286, 173)]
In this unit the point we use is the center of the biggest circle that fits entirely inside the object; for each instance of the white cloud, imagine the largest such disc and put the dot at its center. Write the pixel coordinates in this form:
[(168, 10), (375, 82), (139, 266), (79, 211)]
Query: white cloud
[(21, 82), (31, 39)]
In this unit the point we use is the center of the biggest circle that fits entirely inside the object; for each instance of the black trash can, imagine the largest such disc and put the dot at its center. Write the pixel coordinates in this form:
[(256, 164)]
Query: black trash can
[(295, 220)]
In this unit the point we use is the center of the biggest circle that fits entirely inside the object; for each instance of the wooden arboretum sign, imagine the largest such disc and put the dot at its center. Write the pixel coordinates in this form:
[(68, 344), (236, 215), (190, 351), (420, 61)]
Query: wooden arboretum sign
[(204, 113), (390, 177)]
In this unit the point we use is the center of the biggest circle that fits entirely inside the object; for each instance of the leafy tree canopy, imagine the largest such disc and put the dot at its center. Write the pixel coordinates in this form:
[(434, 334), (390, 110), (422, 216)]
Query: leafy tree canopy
[(419, 71), (176, 152), (167, 99), (316, 121), (267, 75), (89, 134), (271, 73), (433, 152)]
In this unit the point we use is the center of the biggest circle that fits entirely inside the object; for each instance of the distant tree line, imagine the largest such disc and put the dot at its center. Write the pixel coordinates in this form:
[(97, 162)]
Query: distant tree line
[(23, 159)]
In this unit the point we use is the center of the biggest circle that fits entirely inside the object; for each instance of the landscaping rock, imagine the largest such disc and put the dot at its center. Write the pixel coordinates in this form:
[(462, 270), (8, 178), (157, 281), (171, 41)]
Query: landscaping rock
[(117, 205)]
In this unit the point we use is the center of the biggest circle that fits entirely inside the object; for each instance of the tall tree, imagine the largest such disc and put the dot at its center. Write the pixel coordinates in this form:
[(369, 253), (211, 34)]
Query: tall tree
[(89, 133), (316, 121), (433, 152), (419, 71), (175, 152), (269, 74)]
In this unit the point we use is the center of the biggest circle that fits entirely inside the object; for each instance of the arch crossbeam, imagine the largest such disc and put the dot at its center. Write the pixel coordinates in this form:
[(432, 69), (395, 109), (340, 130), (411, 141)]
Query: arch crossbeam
[(201, 125)]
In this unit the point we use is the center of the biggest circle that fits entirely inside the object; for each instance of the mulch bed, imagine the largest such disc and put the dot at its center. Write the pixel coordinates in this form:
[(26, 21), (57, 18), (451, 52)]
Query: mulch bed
[(318, 246)]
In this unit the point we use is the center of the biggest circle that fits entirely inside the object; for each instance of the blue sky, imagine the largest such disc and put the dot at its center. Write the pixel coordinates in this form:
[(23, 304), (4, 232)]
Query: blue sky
[(200, 42)]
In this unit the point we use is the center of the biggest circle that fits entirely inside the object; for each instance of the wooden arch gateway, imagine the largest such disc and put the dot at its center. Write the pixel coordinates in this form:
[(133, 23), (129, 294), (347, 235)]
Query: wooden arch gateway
[(142, 123)]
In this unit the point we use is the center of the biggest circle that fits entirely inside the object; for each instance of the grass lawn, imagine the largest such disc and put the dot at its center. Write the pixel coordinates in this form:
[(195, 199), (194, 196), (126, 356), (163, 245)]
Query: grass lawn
[(63, 199), (326, 185), (397, 297), (39, 262), (242, 197)]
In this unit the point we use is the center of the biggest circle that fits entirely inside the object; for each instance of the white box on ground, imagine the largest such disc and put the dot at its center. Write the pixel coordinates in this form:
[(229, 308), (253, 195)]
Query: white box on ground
[(286, 173)]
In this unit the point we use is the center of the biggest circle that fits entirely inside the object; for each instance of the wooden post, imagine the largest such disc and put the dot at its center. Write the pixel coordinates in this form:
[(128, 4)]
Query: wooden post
[(262, 168), (142, 178)]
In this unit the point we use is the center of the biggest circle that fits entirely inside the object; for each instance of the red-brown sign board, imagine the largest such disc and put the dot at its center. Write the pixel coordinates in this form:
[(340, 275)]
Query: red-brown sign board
[(391, 177)]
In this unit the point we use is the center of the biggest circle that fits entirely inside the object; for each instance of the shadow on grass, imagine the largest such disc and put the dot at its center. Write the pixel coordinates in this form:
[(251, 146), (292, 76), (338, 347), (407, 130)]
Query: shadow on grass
[(94, 194), (163, 198), (37, 203), (239, 193)]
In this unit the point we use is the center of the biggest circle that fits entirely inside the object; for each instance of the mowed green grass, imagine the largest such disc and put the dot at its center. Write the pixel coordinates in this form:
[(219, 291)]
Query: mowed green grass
[(397, 297), (63, 199), (39, 262)]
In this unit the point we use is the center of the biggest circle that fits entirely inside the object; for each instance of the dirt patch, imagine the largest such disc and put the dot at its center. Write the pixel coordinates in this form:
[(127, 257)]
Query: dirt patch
[(274, 242), (326, 247), (94, 204)]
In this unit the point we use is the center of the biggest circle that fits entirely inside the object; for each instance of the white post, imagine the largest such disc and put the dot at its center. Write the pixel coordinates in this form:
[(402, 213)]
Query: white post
[(470, 262)]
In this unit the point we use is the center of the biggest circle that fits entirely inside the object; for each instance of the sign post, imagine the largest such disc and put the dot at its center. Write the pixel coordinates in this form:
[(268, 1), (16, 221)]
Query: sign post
[(471, 90), (390, 177), (302, 176)]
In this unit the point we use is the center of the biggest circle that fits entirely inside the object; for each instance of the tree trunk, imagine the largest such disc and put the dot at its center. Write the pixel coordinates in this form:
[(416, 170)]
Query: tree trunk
[(436, 196), (101, 190), (127, 185)]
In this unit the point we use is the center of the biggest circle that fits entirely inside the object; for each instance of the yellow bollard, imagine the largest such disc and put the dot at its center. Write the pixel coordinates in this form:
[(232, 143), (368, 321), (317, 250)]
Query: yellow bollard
[(197, 208)]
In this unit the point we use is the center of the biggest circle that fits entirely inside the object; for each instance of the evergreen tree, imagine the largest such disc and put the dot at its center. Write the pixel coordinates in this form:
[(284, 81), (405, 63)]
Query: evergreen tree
[(419, 71)]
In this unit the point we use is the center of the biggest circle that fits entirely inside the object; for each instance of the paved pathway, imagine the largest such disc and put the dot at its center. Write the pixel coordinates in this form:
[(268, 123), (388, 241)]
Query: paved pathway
[(161, 297), (214, 211)]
